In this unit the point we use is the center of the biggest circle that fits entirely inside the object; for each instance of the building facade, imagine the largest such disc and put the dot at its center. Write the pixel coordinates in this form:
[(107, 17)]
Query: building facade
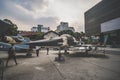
[(103, 18), (64, 26), (40, 28), (34, 29), (27, 33), (104, 11), (50, 35)]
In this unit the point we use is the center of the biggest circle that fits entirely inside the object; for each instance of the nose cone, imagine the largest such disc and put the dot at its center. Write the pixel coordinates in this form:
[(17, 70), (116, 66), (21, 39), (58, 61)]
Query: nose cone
[(10, 40)]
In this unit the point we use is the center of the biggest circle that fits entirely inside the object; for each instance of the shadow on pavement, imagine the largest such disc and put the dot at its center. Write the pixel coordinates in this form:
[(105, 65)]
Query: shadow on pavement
[(19, 57), (10, 66), (23, 56), (113, 52)]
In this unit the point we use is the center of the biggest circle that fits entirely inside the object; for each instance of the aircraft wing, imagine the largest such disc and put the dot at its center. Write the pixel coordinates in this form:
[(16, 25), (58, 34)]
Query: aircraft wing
[(18, 47), (47, 42)]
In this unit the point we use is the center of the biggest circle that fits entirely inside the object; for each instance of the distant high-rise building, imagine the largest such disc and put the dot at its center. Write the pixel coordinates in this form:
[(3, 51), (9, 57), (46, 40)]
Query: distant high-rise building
[(40, 28), (64, 26), (34, 29)]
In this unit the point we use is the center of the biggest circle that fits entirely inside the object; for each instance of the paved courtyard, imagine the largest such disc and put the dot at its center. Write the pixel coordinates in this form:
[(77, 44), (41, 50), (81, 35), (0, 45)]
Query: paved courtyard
[(75, 67)]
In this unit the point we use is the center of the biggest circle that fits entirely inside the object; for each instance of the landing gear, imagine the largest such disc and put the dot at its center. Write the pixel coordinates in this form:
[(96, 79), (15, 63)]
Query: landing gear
[(65, 52), (60, 57), (28, 54)]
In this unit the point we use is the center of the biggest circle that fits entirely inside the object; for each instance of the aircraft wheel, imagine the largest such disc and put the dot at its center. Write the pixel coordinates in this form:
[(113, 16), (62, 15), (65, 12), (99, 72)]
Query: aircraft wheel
[(28, 54), (59, 58)]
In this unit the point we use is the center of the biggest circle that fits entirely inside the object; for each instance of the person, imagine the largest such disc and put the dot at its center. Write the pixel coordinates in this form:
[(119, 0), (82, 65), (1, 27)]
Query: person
[(11, 54), (89, 40), (37, 51), (47, 50)]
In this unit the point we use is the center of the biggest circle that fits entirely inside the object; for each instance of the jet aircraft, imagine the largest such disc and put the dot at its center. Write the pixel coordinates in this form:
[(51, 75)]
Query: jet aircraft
[(63, 42), (18, 41)]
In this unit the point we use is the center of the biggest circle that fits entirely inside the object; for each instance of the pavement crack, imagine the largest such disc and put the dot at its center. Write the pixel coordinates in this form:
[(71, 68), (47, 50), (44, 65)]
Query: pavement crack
[(57, 69), (102, 67)]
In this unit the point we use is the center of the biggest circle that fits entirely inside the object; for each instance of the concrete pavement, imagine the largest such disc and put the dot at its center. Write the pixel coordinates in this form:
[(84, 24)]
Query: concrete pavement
[(75, 67)]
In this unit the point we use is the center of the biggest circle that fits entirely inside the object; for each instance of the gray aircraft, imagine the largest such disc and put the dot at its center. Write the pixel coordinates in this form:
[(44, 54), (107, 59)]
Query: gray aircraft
[(63, 42)]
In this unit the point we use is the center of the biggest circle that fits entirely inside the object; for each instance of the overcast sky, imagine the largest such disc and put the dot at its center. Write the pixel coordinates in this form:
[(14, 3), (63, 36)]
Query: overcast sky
[(29, 13)]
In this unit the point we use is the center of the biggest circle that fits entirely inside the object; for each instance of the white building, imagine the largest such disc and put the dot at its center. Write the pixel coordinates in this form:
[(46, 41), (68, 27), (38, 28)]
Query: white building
[(34, 29), (44, 29), (50, 35), (40, 28), (64, 26)]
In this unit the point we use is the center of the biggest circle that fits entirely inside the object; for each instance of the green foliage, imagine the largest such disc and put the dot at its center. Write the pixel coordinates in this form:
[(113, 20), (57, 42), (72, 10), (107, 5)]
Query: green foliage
[(67, 32), (82, 33), (12, 30), (38, 36), (77, 35)]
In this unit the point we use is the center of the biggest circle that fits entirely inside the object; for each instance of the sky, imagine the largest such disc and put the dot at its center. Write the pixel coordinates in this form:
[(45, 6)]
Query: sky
[(29, 13)]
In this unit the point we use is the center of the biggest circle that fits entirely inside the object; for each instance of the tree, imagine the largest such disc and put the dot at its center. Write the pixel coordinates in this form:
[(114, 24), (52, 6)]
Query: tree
[(66, 32), (38, 36), (82, 33), (77, 35), (12, 30)]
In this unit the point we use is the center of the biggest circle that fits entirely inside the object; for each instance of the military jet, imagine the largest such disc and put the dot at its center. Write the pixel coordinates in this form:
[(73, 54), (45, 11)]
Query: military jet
[(18, 41), (63, 42)]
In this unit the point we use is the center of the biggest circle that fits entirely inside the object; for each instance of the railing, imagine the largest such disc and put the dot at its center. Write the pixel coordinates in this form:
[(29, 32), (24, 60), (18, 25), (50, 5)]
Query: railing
[(1, 69)]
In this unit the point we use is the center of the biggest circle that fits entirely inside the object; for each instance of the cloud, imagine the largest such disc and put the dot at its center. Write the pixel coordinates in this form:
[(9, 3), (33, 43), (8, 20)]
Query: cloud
[(21, 13), (33, 5), (72, 11), (18, 9), (29, 13), (51, 22)]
